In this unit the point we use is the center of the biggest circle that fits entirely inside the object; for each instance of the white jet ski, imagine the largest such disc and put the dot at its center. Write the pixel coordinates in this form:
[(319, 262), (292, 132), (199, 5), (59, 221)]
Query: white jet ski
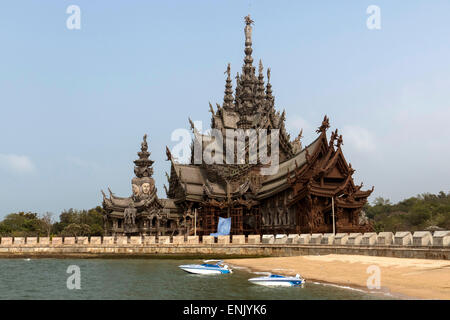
[(277, 280), (207, 268)]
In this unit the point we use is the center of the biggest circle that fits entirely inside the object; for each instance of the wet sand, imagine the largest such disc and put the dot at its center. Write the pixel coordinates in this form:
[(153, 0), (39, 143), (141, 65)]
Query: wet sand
[(400, 277)]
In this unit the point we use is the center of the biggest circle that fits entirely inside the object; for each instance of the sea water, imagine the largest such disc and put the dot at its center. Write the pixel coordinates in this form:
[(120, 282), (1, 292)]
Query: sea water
[(144, 279)]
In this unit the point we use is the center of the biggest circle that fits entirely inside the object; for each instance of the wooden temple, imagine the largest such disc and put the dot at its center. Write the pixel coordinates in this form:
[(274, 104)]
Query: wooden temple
[(312, 190)]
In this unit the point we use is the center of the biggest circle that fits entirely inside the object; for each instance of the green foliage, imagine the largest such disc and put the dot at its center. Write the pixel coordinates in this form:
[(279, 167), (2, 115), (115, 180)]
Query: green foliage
[(412, 214), (80, 223), (20, 225), (71, 223)]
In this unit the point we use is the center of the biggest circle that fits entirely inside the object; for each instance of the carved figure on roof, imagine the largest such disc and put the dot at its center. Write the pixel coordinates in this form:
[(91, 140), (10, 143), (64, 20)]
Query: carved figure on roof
[(334, 135), (168, 153), (248, 28), (325, 125), (297, 144), (144, 145), (340, 141)]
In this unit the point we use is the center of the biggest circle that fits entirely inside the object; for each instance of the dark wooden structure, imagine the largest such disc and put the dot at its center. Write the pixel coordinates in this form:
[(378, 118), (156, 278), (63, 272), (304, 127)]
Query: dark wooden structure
[(297, 198), (143, 213)]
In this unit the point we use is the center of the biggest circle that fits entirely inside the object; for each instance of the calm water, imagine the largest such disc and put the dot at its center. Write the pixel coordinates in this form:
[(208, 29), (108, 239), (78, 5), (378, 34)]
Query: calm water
[(144, 279)]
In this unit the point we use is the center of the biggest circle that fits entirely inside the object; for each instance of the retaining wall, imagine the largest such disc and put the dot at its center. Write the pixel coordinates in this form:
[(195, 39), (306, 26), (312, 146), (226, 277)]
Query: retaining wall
[(237, 245)]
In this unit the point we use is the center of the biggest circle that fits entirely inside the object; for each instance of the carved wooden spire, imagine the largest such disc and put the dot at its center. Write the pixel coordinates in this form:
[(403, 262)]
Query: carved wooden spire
[(248, 70), (228, 98), (260, 86), (143, 164), (269, 96)]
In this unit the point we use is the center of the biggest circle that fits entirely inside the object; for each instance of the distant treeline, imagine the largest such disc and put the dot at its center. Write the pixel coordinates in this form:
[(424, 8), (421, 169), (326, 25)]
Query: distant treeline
[(72, 223), (423, 212)]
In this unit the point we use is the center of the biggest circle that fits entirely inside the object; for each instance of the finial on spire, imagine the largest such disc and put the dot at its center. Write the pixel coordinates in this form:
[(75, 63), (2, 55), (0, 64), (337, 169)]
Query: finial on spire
[(228, 71), (268, 74), (260, 66), (144, 145), (248, 20)]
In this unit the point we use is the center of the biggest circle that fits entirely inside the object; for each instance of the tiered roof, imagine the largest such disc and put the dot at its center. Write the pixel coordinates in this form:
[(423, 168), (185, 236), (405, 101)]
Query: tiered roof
[(252, 106)]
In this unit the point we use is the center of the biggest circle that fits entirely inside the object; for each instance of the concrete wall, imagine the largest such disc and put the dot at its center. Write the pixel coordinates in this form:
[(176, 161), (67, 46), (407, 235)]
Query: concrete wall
[(403, 238), (328, 238), (254, 239), (441, 238), (425, 245), (422, 238), (385, 238), (193, 240), (304, 239), (340, 238), (354, 238), (369, 238), (281, 238), (316, 238), (293, 238)]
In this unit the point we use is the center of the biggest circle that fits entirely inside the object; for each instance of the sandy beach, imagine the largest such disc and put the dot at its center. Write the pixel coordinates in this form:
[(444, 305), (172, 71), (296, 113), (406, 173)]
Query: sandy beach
[(403, 278)]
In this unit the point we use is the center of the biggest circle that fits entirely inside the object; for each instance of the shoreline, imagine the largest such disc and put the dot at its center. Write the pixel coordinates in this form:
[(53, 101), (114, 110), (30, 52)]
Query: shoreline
[(382, 292), (399, 278)]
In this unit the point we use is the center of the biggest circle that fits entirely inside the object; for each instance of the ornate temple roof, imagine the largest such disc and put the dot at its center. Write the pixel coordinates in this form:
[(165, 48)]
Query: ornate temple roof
[(144, 193), (193, 179), (252, 106)]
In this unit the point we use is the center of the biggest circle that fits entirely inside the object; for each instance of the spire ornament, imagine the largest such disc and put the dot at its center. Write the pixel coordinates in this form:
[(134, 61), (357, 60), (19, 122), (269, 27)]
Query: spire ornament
[(325, 125), (248, 78), (143, 164), (260, 86), (248, 29), (269, 96), (228, 98)]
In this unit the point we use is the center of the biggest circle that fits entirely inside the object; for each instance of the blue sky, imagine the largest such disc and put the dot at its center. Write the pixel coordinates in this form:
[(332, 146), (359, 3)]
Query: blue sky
[(75, 103)]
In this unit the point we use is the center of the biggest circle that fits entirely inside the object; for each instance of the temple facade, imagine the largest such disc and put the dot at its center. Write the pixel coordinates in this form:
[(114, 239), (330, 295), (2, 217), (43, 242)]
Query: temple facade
[(143, 213), (312, 189)]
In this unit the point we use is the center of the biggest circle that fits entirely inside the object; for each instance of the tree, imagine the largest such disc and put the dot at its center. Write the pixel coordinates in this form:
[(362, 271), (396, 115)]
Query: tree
[(47, 223), (415, 213), (20, 225), (76, 230)]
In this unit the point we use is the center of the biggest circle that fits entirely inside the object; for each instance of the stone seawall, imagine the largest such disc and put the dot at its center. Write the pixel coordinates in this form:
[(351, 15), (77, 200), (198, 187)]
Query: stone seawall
[(421, 245)]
